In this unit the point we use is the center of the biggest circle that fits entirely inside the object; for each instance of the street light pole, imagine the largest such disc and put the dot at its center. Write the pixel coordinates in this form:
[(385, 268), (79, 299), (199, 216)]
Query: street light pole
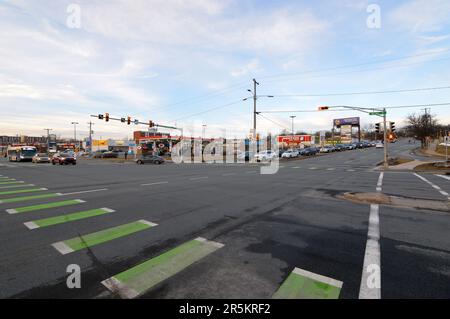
[(75, 131), (48, 137), (293, 117), (254, 107)]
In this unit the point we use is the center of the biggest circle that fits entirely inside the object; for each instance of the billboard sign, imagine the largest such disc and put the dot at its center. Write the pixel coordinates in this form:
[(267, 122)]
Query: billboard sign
[(295, 139), (346, 121)]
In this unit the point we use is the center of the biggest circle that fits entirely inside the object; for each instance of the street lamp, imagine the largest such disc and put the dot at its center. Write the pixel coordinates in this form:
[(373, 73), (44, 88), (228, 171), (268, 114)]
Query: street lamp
[(75, 131), (203, 131), (292, 117)]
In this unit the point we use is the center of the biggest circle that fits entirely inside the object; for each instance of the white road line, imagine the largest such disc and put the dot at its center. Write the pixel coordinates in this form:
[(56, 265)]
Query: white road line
[(330, 169), (155, 183), (251, 172), (380, 182), (197, 178), (443, 193), (443, 176), (62, 248), (313, 168), (31, 225), (370, 287), (83, 192)]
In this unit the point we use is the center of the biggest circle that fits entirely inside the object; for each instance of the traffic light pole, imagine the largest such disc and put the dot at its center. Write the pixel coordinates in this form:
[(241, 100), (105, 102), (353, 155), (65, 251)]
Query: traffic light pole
[(370, 111), (386, 163)]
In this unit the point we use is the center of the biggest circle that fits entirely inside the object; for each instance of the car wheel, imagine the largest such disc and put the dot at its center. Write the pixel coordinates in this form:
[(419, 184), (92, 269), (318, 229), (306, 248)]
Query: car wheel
[(140, 162), (74, 163)]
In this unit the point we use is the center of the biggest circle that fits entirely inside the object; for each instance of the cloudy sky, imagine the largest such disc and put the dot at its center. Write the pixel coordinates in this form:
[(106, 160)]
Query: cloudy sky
[(189, 63)]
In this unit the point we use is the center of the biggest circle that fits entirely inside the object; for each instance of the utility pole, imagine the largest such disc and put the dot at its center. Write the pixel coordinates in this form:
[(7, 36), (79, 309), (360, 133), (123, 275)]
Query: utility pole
[(292, 117), (254, 107), (90, 136), (386, 164), (48, 137)]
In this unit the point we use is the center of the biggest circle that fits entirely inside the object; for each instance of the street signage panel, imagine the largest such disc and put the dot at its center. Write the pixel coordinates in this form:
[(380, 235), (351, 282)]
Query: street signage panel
[(295, 139), (346, 121)]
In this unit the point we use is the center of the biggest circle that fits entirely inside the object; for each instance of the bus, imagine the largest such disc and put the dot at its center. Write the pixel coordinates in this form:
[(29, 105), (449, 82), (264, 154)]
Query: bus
[(21, 153)]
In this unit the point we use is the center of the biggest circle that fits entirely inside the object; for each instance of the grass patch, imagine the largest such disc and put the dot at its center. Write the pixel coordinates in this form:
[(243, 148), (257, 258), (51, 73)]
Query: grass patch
[(437, 166)]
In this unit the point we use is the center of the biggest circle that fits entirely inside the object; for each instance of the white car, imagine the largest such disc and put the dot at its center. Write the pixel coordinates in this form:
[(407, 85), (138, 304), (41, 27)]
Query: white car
[(265, 156), (379, 145), (290, 154)]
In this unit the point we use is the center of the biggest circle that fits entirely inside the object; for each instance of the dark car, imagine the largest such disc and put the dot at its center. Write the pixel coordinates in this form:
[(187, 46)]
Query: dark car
[(63, 159), (110, 155), (152, 159), (309, 151)]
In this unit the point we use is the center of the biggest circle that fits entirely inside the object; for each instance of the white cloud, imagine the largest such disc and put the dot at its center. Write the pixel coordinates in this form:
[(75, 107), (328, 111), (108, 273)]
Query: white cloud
[(251, 67), (422, 15)]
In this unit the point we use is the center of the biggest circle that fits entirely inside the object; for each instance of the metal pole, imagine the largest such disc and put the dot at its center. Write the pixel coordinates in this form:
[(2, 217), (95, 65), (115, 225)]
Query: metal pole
[(254, 107), (75, 132), (386, 164)]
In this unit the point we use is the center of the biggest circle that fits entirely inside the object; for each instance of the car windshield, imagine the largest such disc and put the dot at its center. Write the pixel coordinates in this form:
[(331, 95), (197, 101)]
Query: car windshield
[(65, 155), (42, 155)]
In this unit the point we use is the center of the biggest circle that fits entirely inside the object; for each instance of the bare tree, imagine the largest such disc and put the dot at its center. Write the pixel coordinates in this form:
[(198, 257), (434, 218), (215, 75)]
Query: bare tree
[(422, 127)]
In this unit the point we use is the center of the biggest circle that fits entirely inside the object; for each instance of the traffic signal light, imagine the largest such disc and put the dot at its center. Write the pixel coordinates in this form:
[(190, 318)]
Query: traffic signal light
[(392, 127), (107, 117), (151, 124), (128, 120), (377, 128), (100, 116), (323, 108)]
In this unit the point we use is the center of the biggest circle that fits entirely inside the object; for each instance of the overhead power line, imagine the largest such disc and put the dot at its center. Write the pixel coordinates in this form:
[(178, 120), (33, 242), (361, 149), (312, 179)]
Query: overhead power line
[(343, 110), (363, 93), (274, 122), (241, 85)]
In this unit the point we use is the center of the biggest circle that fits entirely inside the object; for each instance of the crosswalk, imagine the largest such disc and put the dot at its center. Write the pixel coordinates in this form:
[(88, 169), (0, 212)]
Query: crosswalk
[(144, 276)]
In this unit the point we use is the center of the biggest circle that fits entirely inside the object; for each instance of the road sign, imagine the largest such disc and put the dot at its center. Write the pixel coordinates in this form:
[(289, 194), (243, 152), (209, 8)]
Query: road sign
[(377, 113)]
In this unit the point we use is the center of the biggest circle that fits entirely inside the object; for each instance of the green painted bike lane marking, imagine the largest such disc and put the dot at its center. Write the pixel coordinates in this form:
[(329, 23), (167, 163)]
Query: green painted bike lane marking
[(16, 186), (25, 198), (32, 208), (20, 191), (302, 284), (139, 279), (67, 218), (89, 240)]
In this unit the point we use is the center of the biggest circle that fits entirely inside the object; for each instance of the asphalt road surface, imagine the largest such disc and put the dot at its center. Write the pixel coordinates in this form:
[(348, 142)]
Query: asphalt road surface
[(108, 218)]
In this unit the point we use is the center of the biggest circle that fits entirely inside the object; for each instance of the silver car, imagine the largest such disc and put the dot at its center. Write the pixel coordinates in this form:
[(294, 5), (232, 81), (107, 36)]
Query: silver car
[(41, 158)]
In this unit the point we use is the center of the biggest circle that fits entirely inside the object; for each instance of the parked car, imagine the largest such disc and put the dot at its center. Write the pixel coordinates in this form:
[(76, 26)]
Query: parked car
[(41, 158), (245, 156), (110, 155), (340, 147), (311, 151), (290, 154), (63, 159), (379, 145), (152, 159), (265, 156), (327, 149)]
